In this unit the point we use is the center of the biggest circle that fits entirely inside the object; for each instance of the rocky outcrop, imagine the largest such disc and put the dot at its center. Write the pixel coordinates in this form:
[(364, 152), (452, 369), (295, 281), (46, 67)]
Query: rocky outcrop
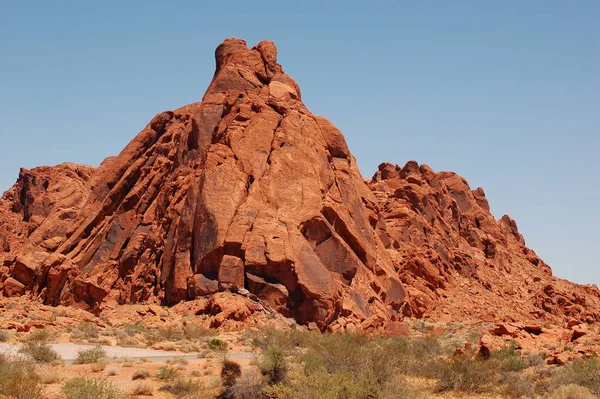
[(246, 189), (248, 192), (456, 260)]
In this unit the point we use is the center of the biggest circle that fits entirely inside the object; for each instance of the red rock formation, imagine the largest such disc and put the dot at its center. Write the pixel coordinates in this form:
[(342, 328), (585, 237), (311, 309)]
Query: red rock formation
[(459, 262), (248, 190)]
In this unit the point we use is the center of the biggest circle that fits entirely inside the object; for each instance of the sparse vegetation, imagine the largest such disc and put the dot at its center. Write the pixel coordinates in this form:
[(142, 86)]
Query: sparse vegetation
[(39, 351), (182, 387), (85, 332), (178, 361), (90, 388), (38, 335), (218, 345), (4, 335), (100, 365), (140, 375), (166, 373), (307, 365), (143, 390), (272, 365), (19, 379), (583, 372), (92, 355), (571, 391)]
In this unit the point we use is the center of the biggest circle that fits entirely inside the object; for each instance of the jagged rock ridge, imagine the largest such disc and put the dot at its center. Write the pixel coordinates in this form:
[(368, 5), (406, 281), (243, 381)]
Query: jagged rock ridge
[(249, 190)]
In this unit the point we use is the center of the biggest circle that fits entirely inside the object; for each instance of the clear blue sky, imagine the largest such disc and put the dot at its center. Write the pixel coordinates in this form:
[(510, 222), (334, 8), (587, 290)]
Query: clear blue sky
[(506, 93)]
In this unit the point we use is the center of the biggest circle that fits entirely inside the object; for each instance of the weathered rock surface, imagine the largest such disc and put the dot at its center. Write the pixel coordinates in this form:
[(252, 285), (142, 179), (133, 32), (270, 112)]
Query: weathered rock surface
[(249, 192), (457, 261), (247, 189)]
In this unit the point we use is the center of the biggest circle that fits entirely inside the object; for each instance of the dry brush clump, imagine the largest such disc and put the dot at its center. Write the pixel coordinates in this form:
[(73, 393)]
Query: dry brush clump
[(19, 379), (91, 388), (92, 355)]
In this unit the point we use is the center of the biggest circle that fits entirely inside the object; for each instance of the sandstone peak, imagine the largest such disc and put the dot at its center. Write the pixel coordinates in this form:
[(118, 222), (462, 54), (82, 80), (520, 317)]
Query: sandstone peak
[(248, 192)]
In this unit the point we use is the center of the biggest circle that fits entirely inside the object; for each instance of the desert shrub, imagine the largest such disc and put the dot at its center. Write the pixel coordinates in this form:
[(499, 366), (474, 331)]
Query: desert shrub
[(187, 347), (133, 329), (49, 378), (509, 358), (287, 340), (248, 386), (517, 385), (38, 335), (166, 373), (272, 365), (194, 331), (126, 340), (19, 379), (584, 372), (182, 387), (92, 355), (342, 385), (571, 391), (218, 345), (230, 371), (463, 373), (171, 334), (112, 370), (143, 390), (140, 375), (532, 359), (179, 360), (427, 347), (4, 335), (90, 388), (85, 331), (152, 337), (100, 365), (39, 351)]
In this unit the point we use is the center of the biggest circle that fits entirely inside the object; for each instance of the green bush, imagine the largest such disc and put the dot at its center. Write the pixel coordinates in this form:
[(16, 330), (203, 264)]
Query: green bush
[(465, 374), (218, 345), (19, 379), (510, 358), (166, 373), (39, 351), (342, 385), (272, 365), (90, 388), (92, 355)]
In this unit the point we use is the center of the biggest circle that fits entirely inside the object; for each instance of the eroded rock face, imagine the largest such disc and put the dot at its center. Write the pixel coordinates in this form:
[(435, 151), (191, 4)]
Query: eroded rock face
[(458, 261), (247, 189), (249, 192)]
